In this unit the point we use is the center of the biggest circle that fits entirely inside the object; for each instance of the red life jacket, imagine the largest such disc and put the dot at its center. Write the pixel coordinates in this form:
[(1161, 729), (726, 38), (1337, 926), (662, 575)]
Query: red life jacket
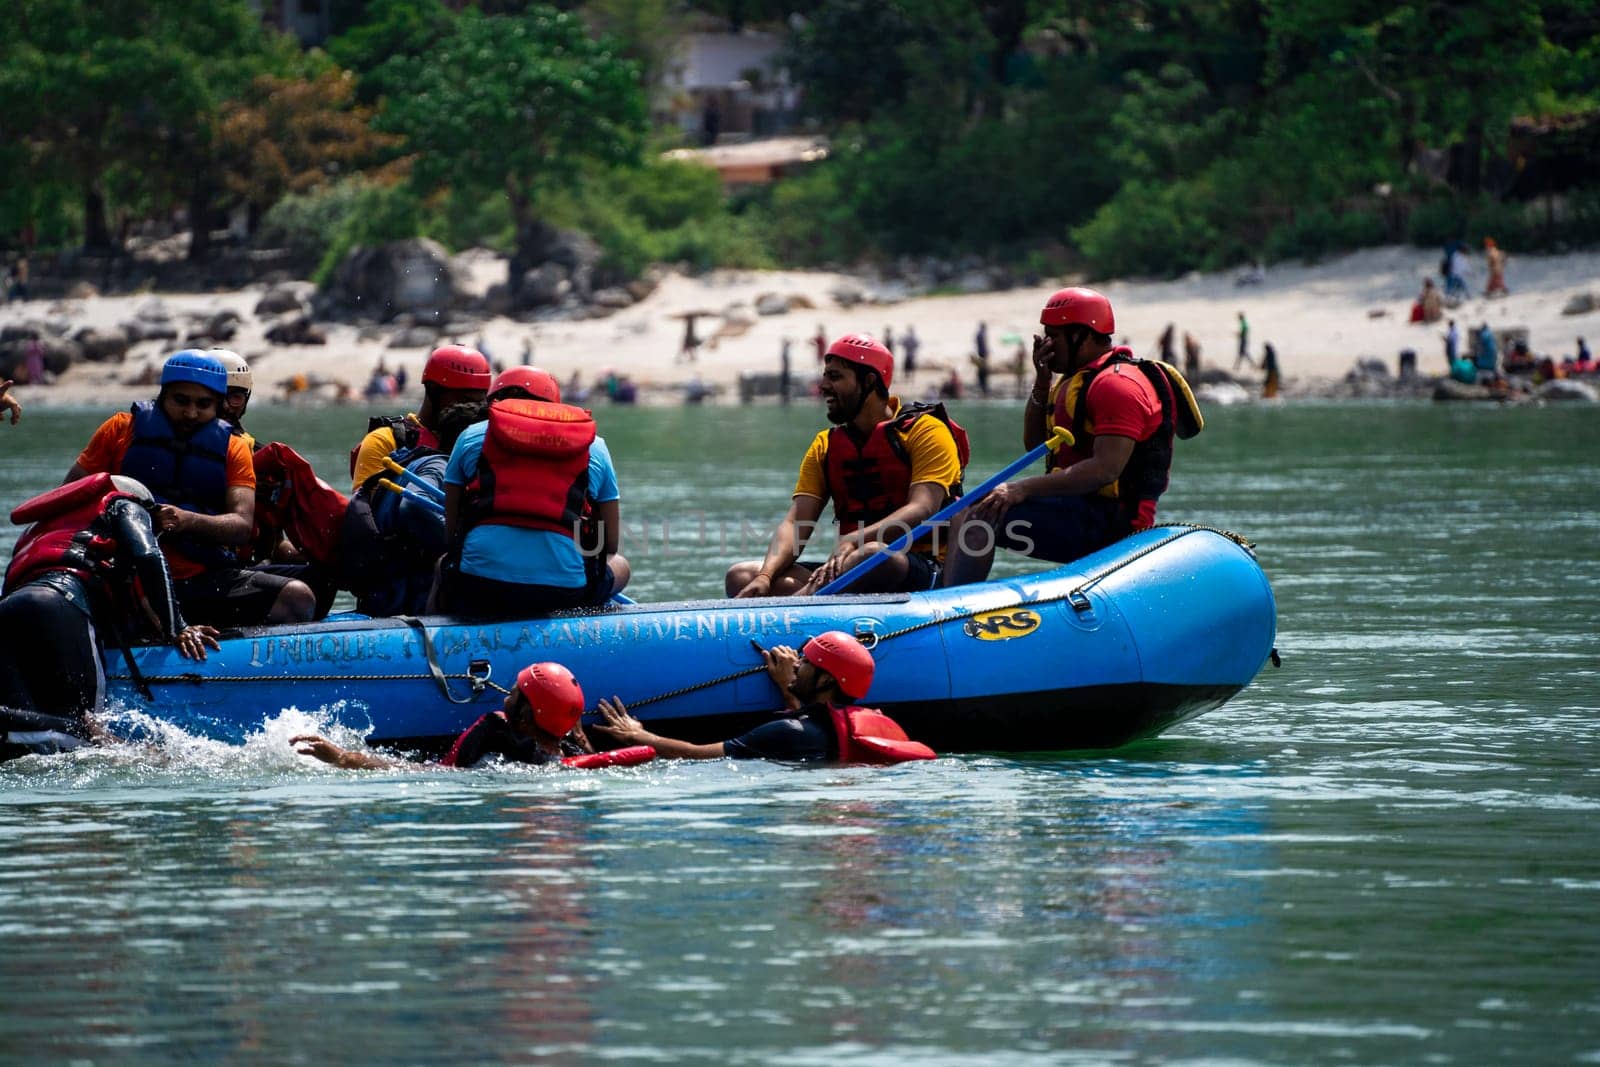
[(867, 735), (59, 539), (872, 479), (534, 471), (1145, 476), (631, 756)]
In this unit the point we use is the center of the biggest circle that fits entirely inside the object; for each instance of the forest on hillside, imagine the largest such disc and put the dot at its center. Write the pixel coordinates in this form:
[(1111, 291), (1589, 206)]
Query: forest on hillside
[(1148, 137)]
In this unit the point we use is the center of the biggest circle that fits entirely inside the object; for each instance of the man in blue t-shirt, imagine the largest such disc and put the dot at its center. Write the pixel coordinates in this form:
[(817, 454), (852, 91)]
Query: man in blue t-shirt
[(508, 564)]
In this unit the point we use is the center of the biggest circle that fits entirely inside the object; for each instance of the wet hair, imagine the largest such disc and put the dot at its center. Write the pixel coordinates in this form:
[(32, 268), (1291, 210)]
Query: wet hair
[(456, 418)]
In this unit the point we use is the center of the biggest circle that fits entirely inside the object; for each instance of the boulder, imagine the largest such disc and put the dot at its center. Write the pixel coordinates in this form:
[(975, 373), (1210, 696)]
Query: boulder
[(415, 337), (81, 290), (400, 276), (772, 304), (153, 310), (145, 330), (847, 295), (539, 246), (295, 329), (546, 284), (1567, 389), (280, 299), (1582, 304), (21, 331), (647, 283), (99, 345), (614, 298)]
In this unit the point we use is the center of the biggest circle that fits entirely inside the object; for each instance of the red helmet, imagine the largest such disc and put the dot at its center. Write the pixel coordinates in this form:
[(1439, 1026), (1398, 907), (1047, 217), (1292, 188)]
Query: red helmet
[(554, 695), (457, 367), (540, 384), (866, 350), (843, 657), (1079, 306)]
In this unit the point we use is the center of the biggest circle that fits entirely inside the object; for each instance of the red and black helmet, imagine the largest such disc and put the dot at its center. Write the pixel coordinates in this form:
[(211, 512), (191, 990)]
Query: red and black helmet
[(1078, 306), (457, 367), (540, 384), (554, 695), (867, 351), (843, 657)]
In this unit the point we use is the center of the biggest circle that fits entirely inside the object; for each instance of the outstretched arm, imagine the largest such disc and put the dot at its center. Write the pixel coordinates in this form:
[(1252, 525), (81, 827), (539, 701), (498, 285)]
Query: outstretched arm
[(349, 759), (630, 731)]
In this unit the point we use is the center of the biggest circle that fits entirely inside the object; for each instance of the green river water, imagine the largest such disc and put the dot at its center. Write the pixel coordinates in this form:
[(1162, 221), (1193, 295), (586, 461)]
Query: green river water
[(1385, 852)]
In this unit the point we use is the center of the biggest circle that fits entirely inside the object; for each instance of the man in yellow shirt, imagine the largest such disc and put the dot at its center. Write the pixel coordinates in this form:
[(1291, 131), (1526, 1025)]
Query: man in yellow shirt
[(886, 469), (454, 374)]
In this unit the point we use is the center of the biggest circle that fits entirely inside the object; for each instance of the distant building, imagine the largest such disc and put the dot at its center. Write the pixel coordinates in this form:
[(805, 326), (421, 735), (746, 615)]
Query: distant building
[(728, 87)]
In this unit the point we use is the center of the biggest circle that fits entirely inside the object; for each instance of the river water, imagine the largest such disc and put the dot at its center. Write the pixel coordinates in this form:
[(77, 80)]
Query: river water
[(1384, 852)]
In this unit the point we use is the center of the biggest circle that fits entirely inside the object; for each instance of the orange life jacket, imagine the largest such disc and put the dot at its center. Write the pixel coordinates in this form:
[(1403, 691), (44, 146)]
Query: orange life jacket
[(871, 479), (867, 735), (534, 471), (60, 537)]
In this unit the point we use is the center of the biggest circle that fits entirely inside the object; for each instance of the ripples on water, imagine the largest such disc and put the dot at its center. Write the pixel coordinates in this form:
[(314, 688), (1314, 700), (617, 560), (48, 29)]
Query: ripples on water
[(1382, 853)]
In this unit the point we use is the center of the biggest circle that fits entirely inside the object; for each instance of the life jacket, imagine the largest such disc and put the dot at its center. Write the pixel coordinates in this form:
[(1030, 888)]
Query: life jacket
[(408, 433), (631, 756), (190, 473), (61, 537), (1145, 476), (534, 471), (867, 735), (868, 481)]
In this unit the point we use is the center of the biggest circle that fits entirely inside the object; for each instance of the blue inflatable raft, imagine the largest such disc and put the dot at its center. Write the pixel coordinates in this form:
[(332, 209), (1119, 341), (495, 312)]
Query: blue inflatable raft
[(1118, 646)]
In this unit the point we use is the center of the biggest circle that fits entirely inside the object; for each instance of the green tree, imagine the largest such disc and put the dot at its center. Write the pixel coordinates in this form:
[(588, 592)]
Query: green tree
[(385, 30), (516, 104), (125, 93)]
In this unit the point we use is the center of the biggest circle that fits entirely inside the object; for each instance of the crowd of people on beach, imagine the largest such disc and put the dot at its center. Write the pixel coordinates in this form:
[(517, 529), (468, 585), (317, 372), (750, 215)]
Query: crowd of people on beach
[(496, 499)]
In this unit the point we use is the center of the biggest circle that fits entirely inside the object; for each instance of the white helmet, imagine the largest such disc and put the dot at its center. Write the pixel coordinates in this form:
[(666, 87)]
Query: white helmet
[(133, 487), (239, 376)]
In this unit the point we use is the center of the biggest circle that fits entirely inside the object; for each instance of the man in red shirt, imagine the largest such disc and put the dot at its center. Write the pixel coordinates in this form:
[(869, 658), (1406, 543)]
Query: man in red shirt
[(1123, 413)]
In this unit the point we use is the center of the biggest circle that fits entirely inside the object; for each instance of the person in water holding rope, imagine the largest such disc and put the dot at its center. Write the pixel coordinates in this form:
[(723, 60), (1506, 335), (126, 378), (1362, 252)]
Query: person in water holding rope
[(1123, 414), (453, 374), (537, 724), (203, 477), (532, 508), (87, 564), (820, 686), (885, 467)]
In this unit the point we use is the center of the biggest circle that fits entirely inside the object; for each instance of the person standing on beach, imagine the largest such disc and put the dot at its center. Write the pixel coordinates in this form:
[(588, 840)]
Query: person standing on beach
[(885, 467), (1191, 355), (690, 350), (1167, 345), (1496, 261), (1452, 344), (1244, 343), (1269, 364), (1123, 414), (784, 369), (910, 344)]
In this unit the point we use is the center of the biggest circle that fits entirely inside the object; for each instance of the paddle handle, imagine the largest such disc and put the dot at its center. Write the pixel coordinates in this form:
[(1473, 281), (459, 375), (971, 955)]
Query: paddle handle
[(1058, 439), (413, 480), (416, 498)]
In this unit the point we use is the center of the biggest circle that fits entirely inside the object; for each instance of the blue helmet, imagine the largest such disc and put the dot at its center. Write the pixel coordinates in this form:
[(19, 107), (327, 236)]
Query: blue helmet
[(193, 365)]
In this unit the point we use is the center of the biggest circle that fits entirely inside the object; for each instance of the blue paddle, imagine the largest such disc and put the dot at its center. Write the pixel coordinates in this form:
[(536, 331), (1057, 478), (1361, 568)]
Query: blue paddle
[(1061, 436)]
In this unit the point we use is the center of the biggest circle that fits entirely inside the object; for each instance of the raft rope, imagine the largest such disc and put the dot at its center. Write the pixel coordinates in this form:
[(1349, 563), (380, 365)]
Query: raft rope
[(478, 670)]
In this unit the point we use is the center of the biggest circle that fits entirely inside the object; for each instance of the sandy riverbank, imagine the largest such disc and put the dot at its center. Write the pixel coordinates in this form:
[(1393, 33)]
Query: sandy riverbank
[(1320, 318)]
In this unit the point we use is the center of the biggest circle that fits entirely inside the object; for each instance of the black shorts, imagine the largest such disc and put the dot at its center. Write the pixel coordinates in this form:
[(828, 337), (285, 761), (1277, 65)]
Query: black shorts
[(229, 596), (51, 658), (473, 596)]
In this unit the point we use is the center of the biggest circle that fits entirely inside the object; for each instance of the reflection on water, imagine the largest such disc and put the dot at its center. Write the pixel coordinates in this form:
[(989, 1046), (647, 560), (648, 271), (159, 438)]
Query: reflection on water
[(1379, 854)]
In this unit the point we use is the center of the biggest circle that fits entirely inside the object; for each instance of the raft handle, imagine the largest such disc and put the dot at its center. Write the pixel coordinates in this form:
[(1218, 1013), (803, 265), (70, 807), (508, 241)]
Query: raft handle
[(1079, 601)]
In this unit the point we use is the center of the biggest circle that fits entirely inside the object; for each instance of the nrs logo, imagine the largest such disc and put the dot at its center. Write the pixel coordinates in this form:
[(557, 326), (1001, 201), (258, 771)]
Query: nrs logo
[(1001, 625)]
